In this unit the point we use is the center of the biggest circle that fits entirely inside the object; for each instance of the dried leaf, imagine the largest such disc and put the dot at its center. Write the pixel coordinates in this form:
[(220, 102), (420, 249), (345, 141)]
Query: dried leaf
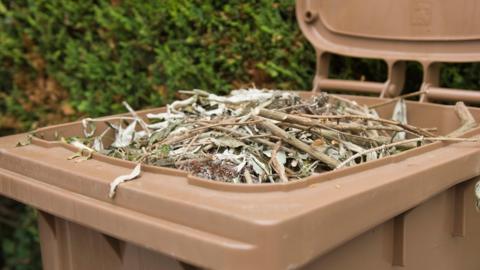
[(353, 147), (229, 155), (159, 125), (98, 141), (227, 141), (176, 105), (123, 137), (166, 116), (242, 96), (80, 146), (258, 166), (97, 144), (161, 134), (281, 156), (219, 111), (25, 141), (372, 156), (89, 127), (477, 195), (400, 115), (241, 166), (320, 142), (123, 178), (84, 152)]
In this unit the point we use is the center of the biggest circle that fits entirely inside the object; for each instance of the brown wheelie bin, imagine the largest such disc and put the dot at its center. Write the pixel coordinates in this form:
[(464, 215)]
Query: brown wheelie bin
[(414, 210)]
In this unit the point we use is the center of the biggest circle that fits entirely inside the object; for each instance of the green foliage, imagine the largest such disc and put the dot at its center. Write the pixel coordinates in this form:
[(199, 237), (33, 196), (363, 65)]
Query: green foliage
[(62, 59), (18, 231), (466, 76), (96, 54)]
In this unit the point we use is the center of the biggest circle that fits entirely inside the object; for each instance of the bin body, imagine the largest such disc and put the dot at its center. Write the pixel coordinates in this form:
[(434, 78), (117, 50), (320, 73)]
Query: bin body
[(414, 210), (442, 233), (69, 246)]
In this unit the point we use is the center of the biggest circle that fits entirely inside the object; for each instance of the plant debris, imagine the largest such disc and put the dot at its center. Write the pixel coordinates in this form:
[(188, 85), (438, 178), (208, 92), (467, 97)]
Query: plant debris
[(25, 141), (258, 136), (123, 178), (477, 195)]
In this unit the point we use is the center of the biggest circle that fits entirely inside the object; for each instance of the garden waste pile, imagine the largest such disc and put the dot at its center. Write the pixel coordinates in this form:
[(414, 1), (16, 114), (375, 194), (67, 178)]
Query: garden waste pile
[(257, 136)]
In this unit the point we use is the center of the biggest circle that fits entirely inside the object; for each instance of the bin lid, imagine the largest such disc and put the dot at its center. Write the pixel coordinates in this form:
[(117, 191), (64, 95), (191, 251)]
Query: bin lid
[(419, 30)]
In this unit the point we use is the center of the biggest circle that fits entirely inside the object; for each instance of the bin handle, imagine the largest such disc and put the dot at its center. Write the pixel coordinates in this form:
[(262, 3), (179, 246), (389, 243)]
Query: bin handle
[(390, 88), (433, 91)]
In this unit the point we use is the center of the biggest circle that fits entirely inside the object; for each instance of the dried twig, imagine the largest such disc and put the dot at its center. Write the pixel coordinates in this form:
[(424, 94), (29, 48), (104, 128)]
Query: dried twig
[(413, 94), (414, 140), (140, 120), (413, 129), (332, 163), (467, 120), (278, 166)]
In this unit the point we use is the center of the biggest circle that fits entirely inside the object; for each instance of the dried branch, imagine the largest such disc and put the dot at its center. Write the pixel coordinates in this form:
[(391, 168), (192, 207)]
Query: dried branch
[(413, 129), (267, 124), (414, 140), (413, 94)]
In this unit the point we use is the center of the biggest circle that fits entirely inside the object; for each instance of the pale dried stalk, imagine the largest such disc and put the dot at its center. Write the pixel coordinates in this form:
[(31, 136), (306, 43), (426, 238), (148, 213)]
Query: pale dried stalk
[(123, 178), (242, 136), (410, 128), (467, 120), (335, 135), (248, 177), (414, 140), (135, 115), (193, 132), (477, 196), (277, 166), (413, 94), (269, 125), (349, 102)]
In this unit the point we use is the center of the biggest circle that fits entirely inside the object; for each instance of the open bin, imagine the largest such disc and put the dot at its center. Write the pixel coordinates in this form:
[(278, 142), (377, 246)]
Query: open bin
[(413, 210)]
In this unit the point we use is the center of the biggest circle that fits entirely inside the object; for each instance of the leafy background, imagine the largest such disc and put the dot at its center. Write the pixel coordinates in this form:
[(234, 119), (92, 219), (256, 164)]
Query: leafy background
[(61, 60)]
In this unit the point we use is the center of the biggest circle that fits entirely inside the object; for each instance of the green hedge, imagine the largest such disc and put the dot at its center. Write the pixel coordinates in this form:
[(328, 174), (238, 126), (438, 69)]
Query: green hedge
[(84, 58), (61, 59)]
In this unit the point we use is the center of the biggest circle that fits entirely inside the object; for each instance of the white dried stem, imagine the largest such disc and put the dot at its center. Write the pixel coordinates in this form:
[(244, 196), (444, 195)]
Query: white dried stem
[(123, 178)]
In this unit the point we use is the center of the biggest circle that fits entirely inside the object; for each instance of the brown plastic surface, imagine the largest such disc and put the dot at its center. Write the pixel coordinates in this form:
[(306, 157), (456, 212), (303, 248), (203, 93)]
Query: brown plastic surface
[(411, 211), (329, 221), (426, 31)]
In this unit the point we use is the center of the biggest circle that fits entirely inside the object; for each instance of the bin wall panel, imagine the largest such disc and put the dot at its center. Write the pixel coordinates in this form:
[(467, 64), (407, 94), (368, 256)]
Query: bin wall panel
[(430, 241), (69, 246)]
